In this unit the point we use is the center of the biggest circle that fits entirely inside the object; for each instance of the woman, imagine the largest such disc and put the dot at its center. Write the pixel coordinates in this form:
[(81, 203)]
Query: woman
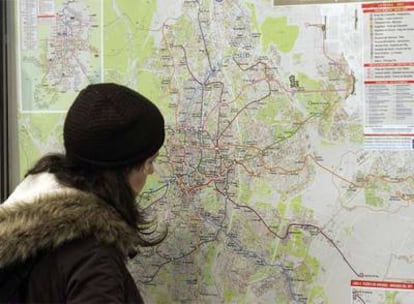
[(73, 219)]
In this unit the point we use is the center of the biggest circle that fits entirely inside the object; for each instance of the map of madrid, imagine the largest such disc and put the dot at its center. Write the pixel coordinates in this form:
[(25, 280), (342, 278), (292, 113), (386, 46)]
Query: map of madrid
[(263, 182)]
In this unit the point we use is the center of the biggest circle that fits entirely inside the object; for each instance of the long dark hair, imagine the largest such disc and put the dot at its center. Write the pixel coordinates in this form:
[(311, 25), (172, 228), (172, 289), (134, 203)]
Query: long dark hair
[(109, 184)]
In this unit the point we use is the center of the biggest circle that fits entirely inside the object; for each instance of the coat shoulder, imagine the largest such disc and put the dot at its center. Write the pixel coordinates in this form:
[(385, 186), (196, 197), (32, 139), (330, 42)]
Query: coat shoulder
[(83, 270)]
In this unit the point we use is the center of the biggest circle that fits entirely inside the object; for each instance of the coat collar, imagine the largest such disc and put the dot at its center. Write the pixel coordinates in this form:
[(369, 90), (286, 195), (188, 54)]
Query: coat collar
[(33, 186), (30, 224)]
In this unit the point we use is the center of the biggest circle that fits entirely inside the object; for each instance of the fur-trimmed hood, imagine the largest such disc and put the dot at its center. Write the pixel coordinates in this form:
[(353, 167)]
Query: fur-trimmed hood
[(52, 218)]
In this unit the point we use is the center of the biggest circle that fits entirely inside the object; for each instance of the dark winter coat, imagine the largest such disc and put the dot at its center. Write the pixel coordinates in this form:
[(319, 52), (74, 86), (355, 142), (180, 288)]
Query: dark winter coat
[(80, 244)]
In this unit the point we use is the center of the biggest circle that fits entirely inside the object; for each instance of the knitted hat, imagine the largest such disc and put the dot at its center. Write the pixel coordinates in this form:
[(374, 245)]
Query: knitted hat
[(110, 125)]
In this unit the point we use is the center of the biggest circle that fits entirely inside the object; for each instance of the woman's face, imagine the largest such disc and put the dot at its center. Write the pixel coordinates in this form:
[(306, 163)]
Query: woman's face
[(138, 177)]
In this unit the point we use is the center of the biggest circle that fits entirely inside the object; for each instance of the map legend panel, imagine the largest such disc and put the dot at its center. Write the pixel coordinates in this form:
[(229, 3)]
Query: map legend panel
[(388, 71), (374, 292)]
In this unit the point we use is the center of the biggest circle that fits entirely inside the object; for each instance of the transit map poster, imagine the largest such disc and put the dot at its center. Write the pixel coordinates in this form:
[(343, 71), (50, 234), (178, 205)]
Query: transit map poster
[(287, 171)]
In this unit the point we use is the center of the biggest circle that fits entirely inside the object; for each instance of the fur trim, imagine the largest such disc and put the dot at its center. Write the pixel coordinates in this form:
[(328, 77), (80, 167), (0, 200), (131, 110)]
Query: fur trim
[(51, 220)]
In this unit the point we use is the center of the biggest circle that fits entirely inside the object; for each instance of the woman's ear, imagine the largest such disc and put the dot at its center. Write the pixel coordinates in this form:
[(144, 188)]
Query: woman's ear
[(147, 166)]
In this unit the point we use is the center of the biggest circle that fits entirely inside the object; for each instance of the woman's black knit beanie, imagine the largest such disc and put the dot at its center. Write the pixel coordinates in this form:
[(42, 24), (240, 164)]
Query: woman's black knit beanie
[(110, 125)]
